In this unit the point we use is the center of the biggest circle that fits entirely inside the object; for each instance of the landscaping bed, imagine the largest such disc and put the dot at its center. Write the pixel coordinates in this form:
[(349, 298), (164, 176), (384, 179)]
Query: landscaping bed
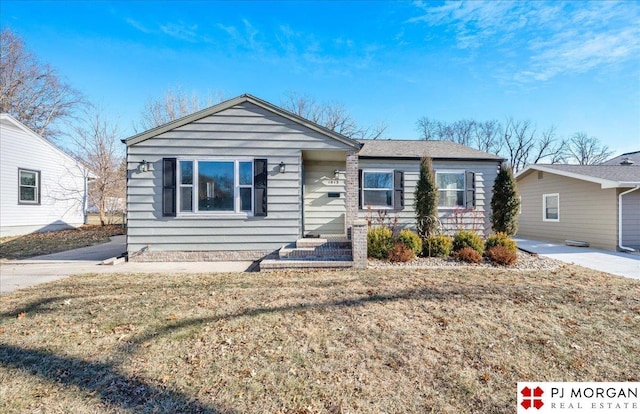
[(525, 261)]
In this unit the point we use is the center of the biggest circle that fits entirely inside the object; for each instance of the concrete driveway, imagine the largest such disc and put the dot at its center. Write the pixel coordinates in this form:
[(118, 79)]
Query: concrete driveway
[(19, 274), (617, 263)]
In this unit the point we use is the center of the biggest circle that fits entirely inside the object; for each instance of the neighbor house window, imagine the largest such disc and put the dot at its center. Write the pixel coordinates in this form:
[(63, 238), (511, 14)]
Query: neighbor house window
[(377, 189), (450, 188), (215, 186), (550, 207), (28, 186)]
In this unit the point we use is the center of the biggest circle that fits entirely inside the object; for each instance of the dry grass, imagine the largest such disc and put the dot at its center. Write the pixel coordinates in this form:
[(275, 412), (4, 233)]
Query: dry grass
[(115, 218), (35, 244), (391, 340)]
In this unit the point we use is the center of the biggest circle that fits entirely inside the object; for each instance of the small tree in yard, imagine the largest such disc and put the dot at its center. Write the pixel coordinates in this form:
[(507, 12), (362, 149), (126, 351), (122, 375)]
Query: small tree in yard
[(426, 203), (97, 146), (505, 202)]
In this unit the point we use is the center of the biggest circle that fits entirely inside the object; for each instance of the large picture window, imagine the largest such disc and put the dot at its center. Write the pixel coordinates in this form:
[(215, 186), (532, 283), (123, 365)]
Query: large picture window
[(377, 189), (28, 186), (222, 186), (451, 188), (551, 207)]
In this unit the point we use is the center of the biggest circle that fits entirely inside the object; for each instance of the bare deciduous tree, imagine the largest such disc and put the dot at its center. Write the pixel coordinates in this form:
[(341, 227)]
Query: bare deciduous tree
[(585, 150), (518, 141), (33, 92), (333, 116), (487, 136), (525, 145), (462, 131), (428, 128), (174, 104), (97, 146)]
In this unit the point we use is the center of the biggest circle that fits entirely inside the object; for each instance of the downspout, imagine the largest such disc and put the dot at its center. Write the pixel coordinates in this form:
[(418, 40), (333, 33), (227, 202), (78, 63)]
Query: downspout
[(620, 246)]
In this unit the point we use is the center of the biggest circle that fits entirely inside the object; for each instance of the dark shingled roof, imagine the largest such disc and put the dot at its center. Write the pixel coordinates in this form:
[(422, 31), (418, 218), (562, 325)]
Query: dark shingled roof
[(631, 156), (619, 173), (416, 149)]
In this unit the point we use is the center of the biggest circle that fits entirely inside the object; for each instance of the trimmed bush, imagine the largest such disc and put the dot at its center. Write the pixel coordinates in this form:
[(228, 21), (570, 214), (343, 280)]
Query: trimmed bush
[(411, 240), (379, 242), (466, 238), (439, 245), (501, 239), (501, 255), (401, 253), (469, 255), (426, 200), (505, 202)]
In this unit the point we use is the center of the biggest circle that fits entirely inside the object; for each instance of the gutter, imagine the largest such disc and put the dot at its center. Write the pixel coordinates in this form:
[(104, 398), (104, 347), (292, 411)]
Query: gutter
[(620, 246)]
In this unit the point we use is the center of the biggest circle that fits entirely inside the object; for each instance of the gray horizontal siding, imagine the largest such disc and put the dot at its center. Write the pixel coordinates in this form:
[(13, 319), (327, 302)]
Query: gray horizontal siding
[(587, 212), (479, 219), (244, 131)]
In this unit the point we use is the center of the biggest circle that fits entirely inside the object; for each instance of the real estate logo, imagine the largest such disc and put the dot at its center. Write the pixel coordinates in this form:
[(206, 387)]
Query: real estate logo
[(532, 398), (578, 397)]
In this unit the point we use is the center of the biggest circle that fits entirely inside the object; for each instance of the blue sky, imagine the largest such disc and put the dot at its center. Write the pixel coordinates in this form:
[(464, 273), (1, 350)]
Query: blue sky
[(575, 65)]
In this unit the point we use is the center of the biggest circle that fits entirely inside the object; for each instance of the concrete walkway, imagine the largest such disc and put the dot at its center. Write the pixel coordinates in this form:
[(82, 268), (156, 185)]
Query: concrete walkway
[(117, 246), (19, 274), (617, 263)]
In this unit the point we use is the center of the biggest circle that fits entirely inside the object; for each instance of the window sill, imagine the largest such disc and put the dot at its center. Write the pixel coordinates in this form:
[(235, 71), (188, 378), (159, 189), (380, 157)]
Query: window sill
[(200, 216)]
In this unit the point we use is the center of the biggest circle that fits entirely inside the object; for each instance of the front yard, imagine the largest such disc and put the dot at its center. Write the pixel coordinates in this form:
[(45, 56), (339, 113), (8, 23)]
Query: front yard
[(35, 244), (452, 340)]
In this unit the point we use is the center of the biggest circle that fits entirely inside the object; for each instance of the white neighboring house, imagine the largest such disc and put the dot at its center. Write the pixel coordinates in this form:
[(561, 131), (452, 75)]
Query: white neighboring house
[(41, 187)]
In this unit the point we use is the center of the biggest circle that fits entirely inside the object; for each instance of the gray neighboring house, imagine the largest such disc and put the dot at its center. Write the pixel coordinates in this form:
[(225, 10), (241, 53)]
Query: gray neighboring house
[(598, 204), (242, 179), (628, 158)]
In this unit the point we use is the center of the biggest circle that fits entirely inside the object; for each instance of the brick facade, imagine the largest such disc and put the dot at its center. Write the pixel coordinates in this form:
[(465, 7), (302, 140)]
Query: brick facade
[(201, 256), (351, 196), (359, 243)]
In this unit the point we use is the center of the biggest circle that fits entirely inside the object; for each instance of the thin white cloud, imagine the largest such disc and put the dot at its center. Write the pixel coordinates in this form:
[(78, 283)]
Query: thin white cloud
[(247, 36), (181, 31), (542, 39), (137, 25)]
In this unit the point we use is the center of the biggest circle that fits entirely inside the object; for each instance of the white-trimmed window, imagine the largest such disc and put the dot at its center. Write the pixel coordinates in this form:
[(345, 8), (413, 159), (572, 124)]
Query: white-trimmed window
[(551, 207), (28, 186), (215, 186), (451, 188), (377, 189)]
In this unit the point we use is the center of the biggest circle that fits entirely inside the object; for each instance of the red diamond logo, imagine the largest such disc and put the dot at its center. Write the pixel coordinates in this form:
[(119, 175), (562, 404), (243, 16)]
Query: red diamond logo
[(532, 398)]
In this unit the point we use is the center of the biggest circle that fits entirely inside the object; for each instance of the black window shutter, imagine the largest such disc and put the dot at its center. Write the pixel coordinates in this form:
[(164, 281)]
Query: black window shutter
[(169, 187), (360, 189), (260, 187), (398, 190), (470, 190)]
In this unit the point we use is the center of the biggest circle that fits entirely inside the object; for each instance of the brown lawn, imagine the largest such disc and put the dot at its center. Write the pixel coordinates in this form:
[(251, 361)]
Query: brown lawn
[(35, 244), (450, 340)]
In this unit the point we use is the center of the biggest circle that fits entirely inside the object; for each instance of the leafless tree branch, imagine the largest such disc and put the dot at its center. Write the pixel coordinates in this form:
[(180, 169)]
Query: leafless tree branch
[(33, 92)]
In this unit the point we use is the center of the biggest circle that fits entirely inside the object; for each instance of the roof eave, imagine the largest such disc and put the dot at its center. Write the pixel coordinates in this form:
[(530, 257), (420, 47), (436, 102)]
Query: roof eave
[(414, 158), (621, 184), (604, 183)]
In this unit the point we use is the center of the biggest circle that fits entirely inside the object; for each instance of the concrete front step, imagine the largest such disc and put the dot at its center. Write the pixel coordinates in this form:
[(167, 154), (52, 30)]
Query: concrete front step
[(331, 253), (326, 242), (271, 265)]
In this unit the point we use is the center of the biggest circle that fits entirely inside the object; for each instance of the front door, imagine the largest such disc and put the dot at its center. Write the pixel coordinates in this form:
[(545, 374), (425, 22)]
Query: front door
[(324, 198)]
